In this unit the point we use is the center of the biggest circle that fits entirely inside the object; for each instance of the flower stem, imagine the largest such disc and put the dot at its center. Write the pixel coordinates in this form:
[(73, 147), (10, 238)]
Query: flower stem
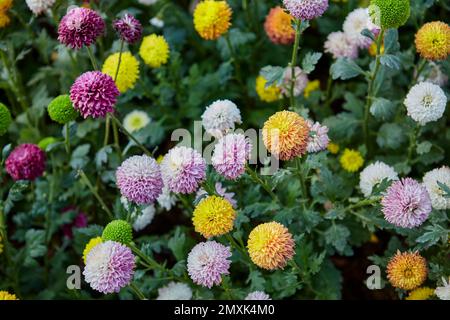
[(422, 65), (362, 203), (91, 56), (412, 143), (299, 167), (263, 184), (125, 131), (137, 291), (67, 138), (298, 24), (120, 60), (88, 183), (233, 57)]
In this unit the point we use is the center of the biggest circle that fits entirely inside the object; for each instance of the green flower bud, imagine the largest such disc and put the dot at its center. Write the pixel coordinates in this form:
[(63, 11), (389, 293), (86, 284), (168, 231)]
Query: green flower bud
[(5, 119), (389, 14), (119, 231), (44, 143), (61, 110)]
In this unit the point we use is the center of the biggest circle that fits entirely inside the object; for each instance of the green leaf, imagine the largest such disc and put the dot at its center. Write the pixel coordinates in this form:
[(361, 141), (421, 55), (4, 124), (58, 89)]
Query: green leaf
[(424, 147), (34, 246), (309, 61), (391, 135), (273, 75), (433, 234), (342, 126), (369, 34), (256, 280), (15, 194), (345, 69), (382, 109), (80, 157), (5, 151), (444, 188), (391, 44), (176, 244), (102, 156), (337, 235), (390, 61)]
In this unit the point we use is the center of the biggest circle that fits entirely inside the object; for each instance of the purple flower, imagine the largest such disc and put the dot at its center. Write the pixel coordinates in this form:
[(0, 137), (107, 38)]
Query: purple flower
[(139, 179), (406, 204), (207, 262), (306, 9), (80, 221), (94, 94), (26, 162), (318, 137), (129, 28), (109, 267), (80, 27)]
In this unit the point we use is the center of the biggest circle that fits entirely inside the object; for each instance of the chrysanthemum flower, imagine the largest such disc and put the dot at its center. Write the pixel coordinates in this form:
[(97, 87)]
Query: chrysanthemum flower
[(5, 119), (301, 80), (128, 70), (118, 231), (433, 41), (306, 9), (213, 216), (129, 28), (26, 162), (389, 14), (270, 246), (430, 180), (278, 26), (340, 45), (154, 51), (4, 19), (5, 5), (183, 169), (61, 109), (268, 94), (423, 293), (257, 295), (144, 218), (94, 94), (333, 148), (286, 135), (136, 120), (39, 6), (318, 137), (355, 23), (175, 291), (443, 292), (212, 19), (311, 86), (91, 244), (231, 154), (80, 27), (407, 270), (373, 174), (167, 199), (139, 179), (425, 103), (221, 191), (5, 295), (220, 117), (109, 267), (207, 262), (351, 160), (406, 203)]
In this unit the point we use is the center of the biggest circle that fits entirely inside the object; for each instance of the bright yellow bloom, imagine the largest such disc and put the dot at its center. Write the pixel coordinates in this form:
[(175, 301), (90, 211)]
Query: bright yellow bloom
[(351, 160), (154, 50), (5, 5), (213, 216), (270, 246), (90, 245), (5, 295), (212, 19), (407, 270), (269, 94), (433, 41), (128, 71), (4, 20), (310, 87), (286, 135), (333, 148), (423, 293)]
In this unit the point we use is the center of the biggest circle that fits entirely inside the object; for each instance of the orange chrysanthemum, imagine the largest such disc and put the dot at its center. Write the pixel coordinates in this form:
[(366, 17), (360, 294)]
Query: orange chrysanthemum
[(270, 246), (433, 41), (212, 19), (286, 135), (278, 26), (407, 270), (5, 5)]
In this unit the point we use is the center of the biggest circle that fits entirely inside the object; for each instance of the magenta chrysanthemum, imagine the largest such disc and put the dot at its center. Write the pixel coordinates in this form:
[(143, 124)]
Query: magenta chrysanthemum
[(109, 267), (94, 94), (129, 28), (306, 9), (406, 204), (183, 169), (231, 154), (26, 162), (318, 137), (80, 27), (207, 262), (139, 179)]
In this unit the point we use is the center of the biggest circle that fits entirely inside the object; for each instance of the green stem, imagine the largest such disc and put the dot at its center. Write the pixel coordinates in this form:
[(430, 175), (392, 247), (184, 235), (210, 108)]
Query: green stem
[(67, 138), (7, 251), (299, 165), (234, 58), (298, 26), (125, 131), (263, 184), (91, 56), (363, 203), (422, 65), (106, 138), (412, 143), (88, 183), (137, 291)]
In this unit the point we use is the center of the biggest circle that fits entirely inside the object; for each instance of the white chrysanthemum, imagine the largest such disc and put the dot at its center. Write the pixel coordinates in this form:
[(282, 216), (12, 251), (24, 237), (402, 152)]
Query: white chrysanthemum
[(443, 292), (148, 2), (339, 45), (355, 23), (301, 80), (143, 219), (430, 180), (434, 75), (39, 6), (136, 120), (167, 199), (175, 291), (374, 174), (157, 22), (425, 102), (258, 295), (221, 117)]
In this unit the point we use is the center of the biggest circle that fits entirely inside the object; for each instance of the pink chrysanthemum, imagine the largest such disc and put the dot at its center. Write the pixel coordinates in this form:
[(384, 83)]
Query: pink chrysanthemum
[(183, 169), (80, 27), (306, 9), (80, 221), (340, 45), (94, 94), (207, 262), (301, 81), (26, 162), (129, 28), (318, 137), (231, 154), (406, 204), (257, 295), (139, 179), (109, 267)]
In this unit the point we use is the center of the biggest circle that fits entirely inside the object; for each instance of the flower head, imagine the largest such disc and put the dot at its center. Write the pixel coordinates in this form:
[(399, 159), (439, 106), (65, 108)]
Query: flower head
[(118, 231), (26, 162), (374, 174), (433, 40), (278, 26), (406, 203), (212, 19), (257, 295), (129, 28), (430, 180), (207, 262), (351, 160), (5, 119), (443, 292), (109, 267), (61, 110), (270, 246), (5, 295), (128, 70), (221, 191), (144, 218), (5, 5), (340, 45), (221, 117), (318, 137), (80, 221), (311, 86), (39, 6), (139, 179), (91, 244), (301, 80), (154, 51), (175, 291), (94, 94), (355, 23), (267, 93), (423, 293), (166, 200), (306, 9), (333, 148), (5, 20), (407, 270), (136, 120), (389, 14)]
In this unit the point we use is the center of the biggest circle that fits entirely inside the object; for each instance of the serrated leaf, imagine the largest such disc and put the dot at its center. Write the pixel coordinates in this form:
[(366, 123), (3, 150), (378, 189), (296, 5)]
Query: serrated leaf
[(273, 75), (176, 244), (390, 61), (424, 147), (345, 69), (382, 109), (433, 234), (309, 61), (391, 44), (337, 236)]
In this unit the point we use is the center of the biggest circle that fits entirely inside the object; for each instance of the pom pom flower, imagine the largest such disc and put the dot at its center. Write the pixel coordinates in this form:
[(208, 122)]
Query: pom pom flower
[(407, 270), (374, 174), (257, 295), (118, 231), (267, 93), (212, 19), (5, 295), (175, 291), (61, 110), (128, 70), (154, 51), (443, 292), (355, 23), (430, 180), (221, 117), (91, 244), (433, 41), (5, 119), (351, 160), (142, 220), (39, 6), (340, 45), (278, 26), (389, 14), (318, 137), (129, 28), (306, 9), (26, 162), (423, 293)]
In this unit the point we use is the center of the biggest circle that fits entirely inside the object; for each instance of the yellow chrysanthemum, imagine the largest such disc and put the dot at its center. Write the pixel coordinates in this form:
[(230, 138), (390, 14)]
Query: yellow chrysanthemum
[(333, 148), (213, 216), (90, 245), (212, 19), (5, 5), (423, 293), (154, 50), (433, 41), (351, 160), (286, 135), (407, 270), (270, 246), (269, 94), (128, 71), (5, 295), (310, 87), (4, 20)]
